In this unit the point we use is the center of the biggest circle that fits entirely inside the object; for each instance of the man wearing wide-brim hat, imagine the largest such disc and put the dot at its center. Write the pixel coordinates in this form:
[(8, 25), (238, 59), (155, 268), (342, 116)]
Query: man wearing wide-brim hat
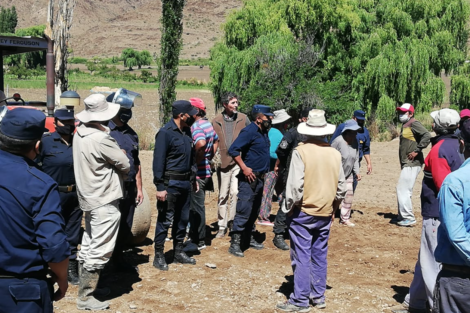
[(100, 168), (315, 186)]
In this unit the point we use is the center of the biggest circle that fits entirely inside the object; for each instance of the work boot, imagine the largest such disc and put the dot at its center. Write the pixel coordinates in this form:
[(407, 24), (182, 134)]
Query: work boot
[(88, 283), (255, 244), (235, 246), (72, 272), (279, 242), (159, 260), (180, 256), (99, 291)]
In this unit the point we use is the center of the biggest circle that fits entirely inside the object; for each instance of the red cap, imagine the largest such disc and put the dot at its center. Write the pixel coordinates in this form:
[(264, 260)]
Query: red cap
[(465, 113), (406, 107), (198, 103)]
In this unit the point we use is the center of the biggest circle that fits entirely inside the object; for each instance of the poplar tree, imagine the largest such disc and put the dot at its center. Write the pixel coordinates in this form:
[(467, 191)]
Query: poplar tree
[(172, 29)]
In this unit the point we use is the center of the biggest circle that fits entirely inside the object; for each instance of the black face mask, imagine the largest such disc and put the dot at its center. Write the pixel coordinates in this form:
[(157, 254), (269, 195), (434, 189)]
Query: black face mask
[(267, 124), (125, 116), (190, 121), (65, 130)]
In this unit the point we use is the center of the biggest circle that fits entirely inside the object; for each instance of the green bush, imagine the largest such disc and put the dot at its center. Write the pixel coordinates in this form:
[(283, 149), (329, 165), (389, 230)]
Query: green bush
[(77, 60)]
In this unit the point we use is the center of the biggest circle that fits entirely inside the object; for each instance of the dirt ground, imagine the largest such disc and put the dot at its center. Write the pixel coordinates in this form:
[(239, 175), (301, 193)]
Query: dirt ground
[(370, 266)]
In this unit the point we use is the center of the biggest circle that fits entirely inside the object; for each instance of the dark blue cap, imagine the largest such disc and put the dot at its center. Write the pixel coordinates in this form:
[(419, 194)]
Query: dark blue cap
[(183, 106), (465, 131), (259, 108), (360, 115), (24, 124), (64, 114)]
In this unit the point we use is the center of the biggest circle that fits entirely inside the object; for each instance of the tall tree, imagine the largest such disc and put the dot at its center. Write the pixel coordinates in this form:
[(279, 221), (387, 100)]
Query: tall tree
[(144, 58), (58, 29), (172, 29), (377, 53), (130, 58)]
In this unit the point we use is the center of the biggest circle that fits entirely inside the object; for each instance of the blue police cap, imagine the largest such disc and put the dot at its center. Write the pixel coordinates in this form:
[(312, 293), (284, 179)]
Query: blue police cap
[(64, 114), (360, 115), (259, 108), (24, 124), (183, 106)]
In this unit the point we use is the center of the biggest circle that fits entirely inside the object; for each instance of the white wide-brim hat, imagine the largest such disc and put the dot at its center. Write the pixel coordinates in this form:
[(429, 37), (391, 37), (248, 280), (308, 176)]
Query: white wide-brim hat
[(280, 116), (97, 109), (316, 125)]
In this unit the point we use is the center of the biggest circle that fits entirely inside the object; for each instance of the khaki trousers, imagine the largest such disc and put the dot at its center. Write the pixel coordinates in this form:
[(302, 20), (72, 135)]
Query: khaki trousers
[(99, 238), (228, 191)]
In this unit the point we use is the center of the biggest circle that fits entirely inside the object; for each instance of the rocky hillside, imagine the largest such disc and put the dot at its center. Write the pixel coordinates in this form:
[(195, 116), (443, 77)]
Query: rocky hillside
[(106, 27)]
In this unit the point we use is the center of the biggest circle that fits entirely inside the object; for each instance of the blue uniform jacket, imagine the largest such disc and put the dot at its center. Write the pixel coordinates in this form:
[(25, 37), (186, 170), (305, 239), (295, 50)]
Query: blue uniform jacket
[(56, 159), (128, 140), (253, 145), (173, 152), (453, 234), (363, 139), (32, 228)]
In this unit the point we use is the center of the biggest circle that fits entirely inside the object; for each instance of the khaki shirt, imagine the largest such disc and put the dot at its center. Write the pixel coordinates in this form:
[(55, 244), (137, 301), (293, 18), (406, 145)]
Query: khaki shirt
[(100, 167)]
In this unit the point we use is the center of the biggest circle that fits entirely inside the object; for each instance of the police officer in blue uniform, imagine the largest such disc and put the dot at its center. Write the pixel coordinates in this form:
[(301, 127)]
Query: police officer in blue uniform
[(127, 140), (31, 231), (251, 153), (363, 140), (56, 160), (174, 172)]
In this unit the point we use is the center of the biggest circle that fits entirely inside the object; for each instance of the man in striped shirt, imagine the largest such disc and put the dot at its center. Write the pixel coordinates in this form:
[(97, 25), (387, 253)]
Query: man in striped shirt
[(206, 143)]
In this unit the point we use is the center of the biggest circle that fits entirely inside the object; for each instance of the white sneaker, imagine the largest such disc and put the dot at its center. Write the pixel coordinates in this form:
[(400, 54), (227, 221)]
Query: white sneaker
[(347, 223)]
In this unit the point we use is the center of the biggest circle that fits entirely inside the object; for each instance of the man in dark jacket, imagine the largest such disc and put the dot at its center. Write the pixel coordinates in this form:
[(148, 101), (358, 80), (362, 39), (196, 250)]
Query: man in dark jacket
[(414, 138), (443, 159)]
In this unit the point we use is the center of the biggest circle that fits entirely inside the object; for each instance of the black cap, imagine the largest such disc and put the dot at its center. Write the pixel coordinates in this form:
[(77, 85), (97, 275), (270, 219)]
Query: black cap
[(24, 124), (64, 114), (183, 106)]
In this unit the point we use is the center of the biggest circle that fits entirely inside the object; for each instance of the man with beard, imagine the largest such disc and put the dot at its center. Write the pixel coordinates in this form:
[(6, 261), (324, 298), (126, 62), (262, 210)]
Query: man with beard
[(128, 141), (363, 141), (56, 160), (251, 153), (174, 172)]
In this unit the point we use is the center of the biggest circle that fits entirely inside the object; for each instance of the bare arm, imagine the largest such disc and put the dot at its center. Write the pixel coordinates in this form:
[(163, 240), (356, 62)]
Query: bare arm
[(200, 148), (138, 179), (369, 164), (60, 277)]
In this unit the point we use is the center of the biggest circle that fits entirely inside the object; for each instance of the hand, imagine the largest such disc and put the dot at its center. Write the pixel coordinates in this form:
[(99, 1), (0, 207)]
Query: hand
[(162, 195), (276, 170), (248, 172), (359, 177), (63, 286), (369, 169), (140, 197), (412, 155), (196, 186)]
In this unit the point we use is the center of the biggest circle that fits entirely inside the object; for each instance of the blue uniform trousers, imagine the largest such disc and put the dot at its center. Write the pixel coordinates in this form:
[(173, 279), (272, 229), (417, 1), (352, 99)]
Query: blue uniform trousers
[(248, 205), (175, 209), (27, 295), (72, 215), (127, 208)]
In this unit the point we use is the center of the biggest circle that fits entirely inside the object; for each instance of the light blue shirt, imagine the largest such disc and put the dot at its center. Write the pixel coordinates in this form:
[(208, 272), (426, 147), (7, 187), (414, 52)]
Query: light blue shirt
[(453, 235)]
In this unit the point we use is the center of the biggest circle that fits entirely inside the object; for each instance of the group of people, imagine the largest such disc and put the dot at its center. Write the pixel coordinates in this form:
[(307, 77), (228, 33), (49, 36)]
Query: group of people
[(94, 170)]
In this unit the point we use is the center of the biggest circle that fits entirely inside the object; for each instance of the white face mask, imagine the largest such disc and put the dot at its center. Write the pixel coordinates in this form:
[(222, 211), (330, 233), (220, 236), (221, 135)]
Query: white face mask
[(403, 118)]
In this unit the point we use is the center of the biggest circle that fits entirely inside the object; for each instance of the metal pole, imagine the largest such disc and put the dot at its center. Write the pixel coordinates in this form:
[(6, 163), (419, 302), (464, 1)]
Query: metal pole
[(50, 73)]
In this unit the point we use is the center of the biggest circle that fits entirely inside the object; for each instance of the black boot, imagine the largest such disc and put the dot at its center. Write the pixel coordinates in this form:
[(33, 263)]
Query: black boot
[(159, 260), (256, 245), (180, 256), (73, 272), (279, 242), (235, 245)]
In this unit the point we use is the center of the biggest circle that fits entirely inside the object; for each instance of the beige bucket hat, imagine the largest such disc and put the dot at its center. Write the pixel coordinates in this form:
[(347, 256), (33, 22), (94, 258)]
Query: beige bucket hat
[(98, 109), (316, 124)]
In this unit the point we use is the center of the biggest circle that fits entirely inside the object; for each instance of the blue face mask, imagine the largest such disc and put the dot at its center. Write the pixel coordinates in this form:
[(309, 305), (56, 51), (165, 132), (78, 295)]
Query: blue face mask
[(125, 116)]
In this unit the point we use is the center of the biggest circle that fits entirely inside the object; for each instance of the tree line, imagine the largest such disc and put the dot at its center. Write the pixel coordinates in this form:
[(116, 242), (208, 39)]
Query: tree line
[(8, 20)]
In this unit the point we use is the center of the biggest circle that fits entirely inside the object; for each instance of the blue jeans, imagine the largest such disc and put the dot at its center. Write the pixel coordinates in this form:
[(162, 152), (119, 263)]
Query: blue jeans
[(197, 214)]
